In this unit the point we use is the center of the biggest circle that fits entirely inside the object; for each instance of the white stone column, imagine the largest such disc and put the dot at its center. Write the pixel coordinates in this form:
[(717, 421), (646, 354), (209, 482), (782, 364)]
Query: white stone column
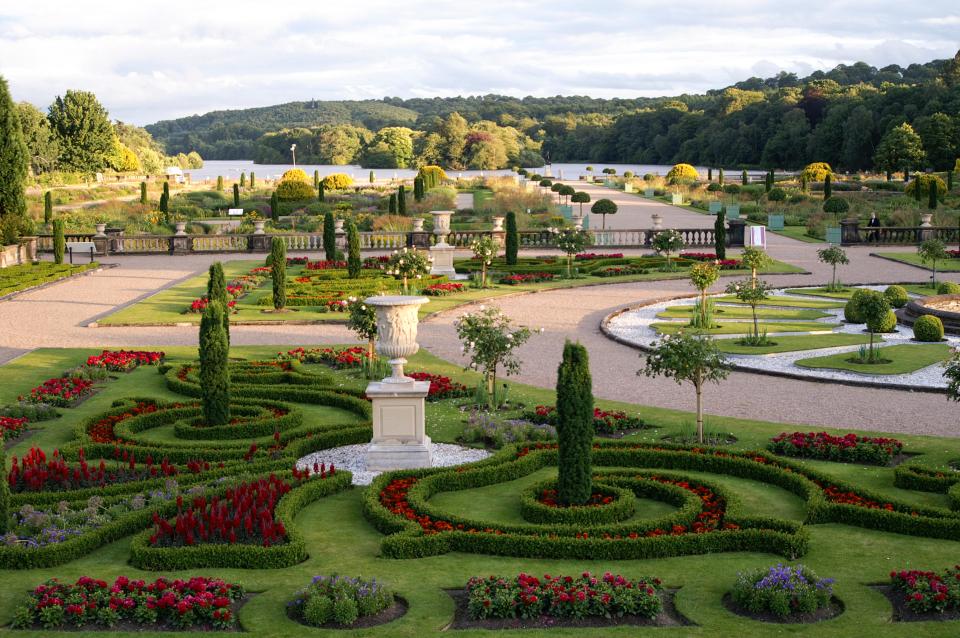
[(399, 403)]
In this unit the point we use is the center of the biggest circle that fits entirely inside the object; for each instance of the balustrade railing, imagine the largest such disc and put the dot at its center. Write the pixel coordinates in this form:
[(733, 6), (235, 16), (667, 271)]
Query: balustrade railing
[(853, 234)]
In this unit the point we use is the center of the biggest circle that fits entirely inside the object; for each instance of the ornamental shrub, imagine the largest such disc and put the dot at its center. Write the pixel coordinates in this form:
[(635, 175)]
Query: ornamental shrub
[(782, 590), (294, 185), (604, 207), (217, 291), (827, 187), (345, 611), (274, 206), (354, 263), (574, 426), (837, 205), (682, 173), (278, 272), (720, 235), (815, 172), (219, 183), (432, 176), (732, 189), (318, 610), (329, 237), (777, 194), (512, 239), (897, 296), (143, 194), (928, 328), (852, 311), (948, 288), (401, 200), (59, 241), (321, 192), (924, 182), (713, 187), (236, 196), (214, 371), (418, 189), (392, 204), (888, 323), (337, 181)]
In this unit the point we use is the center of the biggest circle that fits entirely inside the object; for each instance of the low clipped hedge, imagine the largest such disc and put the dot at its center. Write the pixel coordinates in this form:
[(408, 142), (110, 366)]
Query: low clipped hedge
[(534, 510), (262, 421), (909, 476), (241, 555)]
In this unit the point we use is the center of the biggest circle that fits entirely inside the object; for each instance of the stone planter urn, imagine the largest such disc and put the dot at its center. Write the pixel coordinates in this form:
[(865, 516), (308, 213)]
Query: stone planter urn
[(338, 226), (258, 226), (442, 252), (578, 222), (657, 221), (498, 224), (399, 432), (101, 230), (418, 224), (926, 220), (441, 225)]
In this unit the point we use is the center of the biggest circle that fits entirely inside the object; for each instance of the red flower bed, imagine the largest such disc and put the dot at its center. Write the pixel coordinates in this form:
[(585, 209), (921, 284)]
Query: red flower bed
[(928, 592), (549, 498), (376, 263), (199, 602), (124, 360), (245, 514), (724, 264), (527, 278), (442, 290), (849, 447), (589, 256), (326, 264), (61, 391), (102, 430), (34, 472), (337, 305), (338, 358), (441, 387), (261, 270), (197, 306), (297, 261), (11, 427), (604, 421)]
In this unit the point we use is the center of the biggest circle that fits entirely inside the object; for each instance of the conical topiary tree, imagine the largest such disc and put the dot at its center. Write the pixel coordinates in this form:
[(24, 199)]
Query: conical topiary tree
[(220, 183), (48, 207), (329, 237), (512, 240), (278, 272), (214, 370), (418, 189), (744, 178), (574, 426), (392, 206), (14, 167), (253, 180), (720, 235), (827, 187), (59, 241), (217, 291), (274, 207), (353, 250), (316, 180), (236, 195), (720, 177), (321, 192), (401, 200), (143, 193)]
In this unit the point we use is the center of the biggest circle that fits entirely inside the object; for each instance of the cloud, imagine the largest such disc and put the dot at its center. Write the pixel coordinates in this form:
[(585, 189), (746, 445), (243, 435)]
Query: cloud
[(148, 62)]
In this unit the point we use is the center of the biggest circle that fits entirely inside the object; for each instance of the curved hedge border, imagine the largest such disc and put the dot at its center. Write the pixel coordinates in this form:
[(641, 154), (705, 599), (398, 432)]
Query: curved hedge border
[(241, 555), (534, 510), (921, 478)]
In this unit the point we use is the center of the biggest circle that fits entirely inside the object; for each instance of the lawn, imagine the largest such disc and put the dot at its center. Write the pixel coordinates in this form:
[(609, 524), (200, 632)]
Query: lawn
[(822, 291), (795, 343), (904, 358), (797, 232), (15, 279), (169, 306), (743, 312), (340, 540), (744, 327), (913, 259), (786, 302)]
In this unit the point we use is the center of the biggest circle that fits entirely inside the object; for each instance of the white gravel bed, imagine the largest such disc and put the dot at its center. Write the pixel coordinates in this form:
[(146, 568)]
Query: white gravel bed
[(354, 459), (634, 327)]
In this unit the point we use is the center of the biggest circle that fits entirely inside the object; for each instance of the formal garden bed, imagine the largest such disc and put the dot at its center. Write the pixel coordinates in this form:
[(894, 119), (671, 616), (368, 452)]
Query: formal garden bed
[(697, 514), (17, 279)]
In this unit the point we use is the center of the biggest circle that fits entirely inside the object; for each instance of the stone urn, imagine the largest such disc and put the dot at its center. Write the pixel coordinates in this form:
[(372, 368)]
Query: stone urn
[(397, 330), (418, 224), (441, 225), (180, 229), (101, 230), (657, 221), (578, 222), (926, 220), (258, 226), (338, 226), (498, 224)]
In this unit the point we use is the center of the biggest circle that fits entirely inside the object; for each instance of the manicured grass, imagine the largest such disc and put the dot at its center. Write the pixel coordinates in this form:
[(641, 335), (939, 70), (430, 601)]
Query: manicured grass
[(743, 312), (795, 343), (822, 291), (797, 232), (340, 540), (787, 302), (26, 276), (913, 259), (904, 358), (924, 290), (744, 327)]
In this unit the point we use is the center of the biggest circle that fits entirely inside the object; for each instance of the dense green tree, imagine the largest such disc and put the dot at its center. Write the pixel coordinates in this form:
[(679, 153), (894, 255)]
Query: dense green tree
[(47, 207), (214, 366), (278, 272), (217, 291), (512, 239), (42, 147), (604, 207), (59, 241), (900, 148), (575, 428), (391, 147), (83, 131), (720, 235), (143, 194), (354, 264), (329, 237), (938, 133), (401, 200), (14, 165), (274, 207), (236, 196)]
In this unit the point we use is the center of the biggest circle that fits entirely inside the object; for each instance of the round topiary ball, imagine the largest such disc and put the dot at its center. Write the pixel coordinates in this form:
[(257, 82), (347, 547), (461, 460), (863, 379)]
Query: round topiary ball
[(836, 205), (732, 189), (897, 296), (318, 610), (777, 194), (928, 328), (889, 323), (713, 187), (852, 312), (948, 288)]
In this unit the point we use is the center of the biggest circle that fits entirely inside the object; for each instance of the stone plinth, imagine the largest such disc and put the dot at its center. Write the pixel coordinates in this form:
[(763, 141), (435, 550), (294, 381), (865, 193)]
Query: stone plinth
[(442, 260), (399, 432)]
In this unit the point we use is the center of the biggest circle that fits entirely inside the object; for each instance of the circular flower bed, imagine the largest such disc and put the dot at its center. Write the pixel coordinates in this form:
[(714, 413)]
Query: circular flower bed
[(538, 504), (341, 602), (784, 594)]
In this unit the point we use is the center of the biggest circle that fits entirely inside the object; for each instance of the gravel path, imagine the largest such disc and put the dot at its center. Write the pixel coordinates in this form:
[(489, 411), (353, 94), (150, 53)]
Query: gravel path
[(354, 459)]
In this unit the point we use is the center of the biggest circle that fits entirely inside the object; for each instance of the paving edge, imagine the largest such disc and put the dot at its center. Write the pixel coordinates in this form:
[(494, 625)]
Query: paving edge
[(901, 387)]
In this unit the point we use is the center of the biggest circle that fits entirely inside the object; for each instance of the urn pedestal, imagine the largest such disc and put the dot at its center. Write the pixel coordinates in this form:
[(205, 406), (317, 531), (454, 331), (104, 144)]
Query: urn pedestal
[(442, 252), (399, 402)]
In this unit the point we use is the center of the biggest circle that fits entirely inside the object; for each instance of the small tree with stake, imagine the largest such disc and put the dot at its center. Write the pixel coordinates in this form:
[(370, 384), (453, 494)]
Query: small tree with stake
[(574, 426), (572, 241), (875, 308), (752, 292), (666, 242), (931, 251), (756, 259), (835, 256), (604, 207), (702, 276), (484, 249), (363, 321), (688, 358), (489, 340)]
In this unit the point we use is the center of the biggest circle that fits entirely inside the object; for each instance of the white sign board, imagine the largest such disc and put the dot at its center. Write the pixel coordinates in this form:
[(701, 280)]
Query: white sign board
[(234, 211), (756, 236)]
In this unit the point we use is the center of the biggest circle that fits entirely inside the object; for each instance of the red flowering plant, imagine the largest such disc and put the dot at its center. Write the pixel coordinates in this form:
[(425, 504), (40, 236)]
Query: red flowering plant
[(723, 264), (441, 387), (927, 591), (102, 430), (200, 602), (376, 263), (527, 278), (124, 360), (197, 306), (442, 290), (339, 358), (61, 391), (297, 261), (577, 597), (849, 448), (604, 421), (592, 256), (12, 426), (326, 264), (620, 271)]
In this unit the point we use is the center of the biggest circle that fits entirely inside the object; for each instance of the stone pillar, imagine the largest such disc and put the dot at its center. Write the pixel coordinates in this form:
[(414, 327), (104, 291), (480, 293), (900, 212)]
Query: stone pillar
[(259, 243), (181, 245), (399, 438), (442, 252), (29, 248), (850, 232), (735, 231)]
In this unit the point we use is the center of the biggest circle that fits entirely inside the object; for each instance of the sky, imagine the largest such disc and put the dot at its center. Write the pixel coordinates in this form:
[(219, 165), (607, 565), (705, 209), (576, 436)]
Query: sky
[(160, 60)]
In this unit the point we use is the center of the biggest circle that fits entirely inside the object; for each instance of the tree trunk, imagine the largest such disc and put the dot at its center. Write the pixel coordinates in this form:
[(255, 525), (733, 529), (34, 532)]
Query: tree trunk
[(756, 327), (699, 387), (371, 348)]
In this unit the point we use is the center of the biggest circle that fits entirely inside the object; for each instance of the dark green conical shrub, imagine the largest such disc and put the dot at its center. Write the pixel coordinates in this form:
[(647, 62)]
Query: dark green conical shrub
[(512, 240), (217, 291), (220, 183), (143, 193), (278, 272), (574, 426), (354, 264), (48, 206), (720, 235), (59, 241), (274, 207), (401, 200), (236, 196), (329, 237), (214, 370)]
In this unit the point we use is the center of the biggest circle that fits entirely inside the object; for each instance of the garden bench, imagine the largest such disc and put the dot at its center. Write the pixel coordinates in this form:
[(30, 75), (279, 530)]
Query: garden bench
[(81, 247)]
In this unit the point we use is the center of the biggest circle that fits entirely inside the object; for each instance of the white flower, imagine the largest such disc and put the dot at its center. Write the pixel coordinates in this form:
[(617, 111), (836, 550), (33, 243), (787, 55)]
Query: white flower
[(541, 330)]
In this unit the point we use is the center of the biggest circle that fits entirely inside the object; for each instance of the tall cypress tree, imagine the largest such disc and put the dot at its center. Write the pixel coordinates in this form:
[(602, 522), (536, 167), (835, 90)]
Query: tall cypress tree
[(512, 240), (418, 190), (143, 193), (274, 207), (392, 207), (574, 426), (220, 183), (316, 180), (217, 291), (253, 180), (402, 200), (353, 250), (214, 366), (236, 196), (48, 207), (329, 237), (321, 192), (243, 179), (59, 241), (278, 272), (744, 178), (14, 165), (932, 193), (949, 181), (720, 177), (164, 205), (709, 174), (720, 235), (373, 177), (768, 184), (827, 187)]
